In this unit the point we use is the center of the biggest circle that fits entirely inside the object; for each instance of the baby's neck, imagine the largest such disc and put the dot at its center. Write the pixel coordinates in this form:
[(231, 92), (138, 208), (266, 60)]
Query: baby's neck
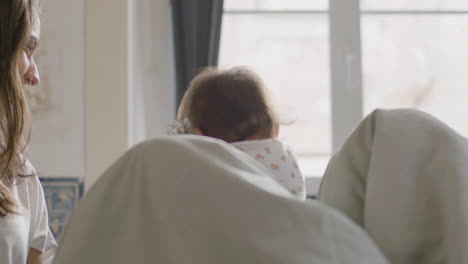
[(256, 138)]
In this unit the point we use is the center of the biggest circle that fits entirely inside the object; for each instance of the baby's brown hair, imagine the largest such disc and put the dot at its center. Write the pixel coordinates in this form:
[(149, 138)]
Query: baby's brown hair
[(232, 105)]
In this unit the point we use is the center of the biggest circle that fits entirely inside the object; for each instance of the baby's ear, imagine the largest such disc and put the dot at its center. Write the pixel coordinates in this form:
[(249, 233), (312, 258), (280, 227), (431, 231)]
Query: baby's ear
[(197, 131), (277, 129)]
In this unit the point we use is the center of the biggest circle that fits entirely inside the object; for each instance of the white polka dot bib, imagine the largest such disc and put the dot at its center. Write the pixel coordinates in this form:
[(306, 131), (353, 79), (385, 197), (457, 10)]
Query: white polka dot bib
[(280, 160)]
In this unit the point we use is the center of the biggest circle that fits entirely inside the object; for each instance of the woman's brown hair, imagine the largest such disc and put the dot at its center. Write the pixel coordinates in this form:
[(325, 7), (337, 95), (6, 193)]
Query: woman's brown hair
[(232, 105), (16, 21)]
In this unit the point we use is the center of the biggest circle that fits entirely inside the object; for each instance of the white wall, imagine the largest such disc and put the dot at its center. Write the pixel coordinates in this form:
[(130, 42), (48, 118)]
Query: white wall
[(107, 91), (130, 95), (152, 68), (57, 142)]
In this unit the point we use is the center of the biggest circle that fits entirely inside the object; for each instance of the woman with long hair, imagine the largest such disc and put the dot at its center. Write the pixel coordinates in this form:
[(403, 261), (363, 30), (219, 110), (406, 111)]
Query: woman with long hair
[(24, 233)]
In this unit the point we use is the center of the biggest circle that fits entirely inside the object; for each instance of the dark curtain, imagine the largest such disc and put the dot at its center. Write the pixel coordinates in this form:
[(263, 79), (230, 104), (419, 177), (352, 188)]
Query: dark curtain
[(197, 31)]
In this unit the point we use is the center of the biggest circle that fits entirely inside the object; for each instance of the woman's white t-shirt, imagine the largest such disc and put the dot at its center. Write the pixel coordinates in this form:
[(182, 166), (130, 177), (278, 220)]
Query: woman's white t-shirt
[(28, 229)]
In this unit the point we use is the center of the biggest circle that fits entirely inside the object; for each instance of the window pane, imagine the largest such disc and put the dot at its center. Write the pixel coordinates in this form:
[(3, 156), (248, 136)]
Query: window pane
[(290, 52), (414, 5), (276, 4), (417, 61)]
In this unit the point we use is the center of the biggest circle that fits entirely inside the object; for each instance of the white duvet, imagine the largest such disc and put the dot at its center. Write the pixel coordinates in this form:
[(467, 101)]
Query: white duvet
[(190, 199), (403, 176)]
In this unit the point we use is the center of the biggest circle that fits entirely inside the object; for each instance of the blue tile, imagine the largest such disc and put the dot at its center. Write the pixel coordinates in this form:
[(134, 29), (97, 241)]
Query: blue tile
[(61, 195)]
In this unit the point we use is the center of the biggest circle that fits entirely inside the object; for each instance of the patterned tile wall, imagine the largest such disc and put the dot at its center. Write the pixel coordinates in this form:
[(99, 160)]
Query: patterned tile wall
[(62, 195)]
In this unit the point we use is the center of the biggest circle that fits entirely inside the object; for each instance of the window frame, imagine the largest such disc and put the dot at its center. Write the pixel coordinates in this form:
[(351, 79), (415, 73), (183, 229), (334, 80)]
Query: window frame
[(346, 76), (345, 62)]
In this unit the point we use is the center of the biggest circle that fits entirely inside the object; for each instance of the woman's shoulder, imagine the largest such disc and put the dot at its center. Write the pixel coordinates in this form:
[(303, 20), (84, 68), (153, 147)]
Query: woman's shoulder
[(30, 179), (29, 169), (28, 188)]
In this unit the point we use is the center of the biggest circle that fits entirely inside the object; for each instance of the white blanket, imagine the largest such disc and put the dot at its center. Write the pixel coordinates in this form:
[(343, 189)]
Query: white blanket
[(403, 176), (191, 199)]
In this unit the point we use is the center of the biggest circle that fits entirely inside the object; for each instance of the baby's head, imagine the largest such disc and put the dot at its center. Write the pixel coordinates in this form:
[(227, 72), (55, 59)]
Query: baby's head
[(232, 105)]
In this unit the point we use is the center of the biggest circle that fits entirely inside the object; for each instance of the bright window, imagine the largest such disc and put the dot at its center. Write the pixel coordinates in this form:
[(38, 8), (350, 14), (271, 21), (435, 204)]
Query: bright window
[(286, 42), (414, 54), (417, 57)]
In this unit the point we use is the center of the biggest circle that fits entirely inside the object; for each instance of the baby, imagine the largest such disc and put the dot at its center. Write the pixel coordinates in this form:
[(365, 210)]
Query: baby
[(233, 105)]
